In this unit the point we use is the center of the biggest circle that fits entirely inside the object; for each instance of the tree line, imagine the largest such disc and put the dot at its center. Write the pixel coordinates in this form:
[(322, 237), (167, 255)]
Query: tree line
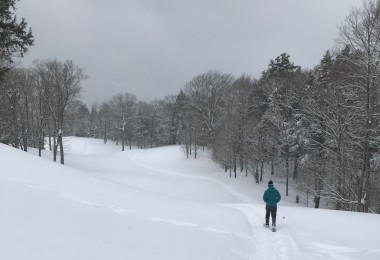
[(317, 129)]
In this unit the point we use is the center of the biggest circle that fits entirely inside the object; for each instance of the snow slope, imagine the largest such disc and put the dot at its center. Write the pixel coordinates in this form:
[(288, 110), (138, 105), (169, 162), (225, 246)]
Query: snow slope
[(156, 204)]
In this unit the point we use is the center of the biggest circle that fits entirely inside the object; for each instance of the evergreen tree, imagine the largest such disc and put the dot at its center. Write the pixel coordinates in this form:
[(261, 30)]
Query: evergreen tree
[(282, 64), (284, 82), (15, 38)]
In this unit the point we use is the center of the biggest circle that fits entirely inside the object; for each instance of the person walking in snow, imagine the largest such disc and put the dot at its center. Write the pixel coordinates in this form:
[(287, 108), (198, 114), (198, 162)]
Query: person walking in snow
[(271, 197)]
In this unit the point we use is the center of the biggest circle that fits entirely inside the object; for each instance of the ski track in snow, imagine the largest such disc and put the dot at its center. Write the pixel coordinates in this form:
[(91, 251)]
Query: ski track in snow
[(123, 211), (215, 182), (281, 245)]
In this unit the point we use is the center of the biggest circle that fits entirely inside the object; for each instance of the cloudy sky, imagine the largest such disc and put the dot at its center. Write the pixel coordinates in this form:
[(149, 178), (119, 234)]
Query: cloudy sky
[(151, 48)]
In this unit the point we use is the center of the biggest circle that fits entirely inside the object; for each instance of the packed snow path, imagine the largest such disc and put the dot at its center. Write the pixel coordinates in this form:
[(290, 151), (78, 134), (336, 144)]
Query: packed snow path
[(156, 204)]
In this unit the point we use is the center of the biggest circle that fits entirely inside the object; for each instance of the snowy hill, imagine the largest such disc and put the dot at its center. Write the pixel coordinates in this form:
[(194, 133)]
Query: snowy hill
[(156, 204)]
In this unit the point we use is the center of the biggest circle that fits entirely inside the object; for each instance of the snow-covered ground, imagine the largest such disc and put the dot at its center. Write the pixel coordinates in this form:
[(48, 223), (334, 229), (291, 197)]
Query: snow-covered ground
[(156, 204)]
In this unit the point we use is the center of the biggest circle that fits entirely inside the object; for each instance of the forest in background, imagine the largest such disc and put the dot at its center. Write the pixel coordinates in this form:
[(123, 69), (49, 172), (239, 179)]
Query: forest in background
[(317, 129)]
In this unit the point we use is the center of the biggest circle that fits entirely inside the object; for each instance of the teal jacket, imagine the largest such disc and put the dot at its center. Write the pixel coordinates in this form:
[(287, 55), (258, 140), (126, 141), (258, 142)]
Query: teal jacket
[(271, 197)]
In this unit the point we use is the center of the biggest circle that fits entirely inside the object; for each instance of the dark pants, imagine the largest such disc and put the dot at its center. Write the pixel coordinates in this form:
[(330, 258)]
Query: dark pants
[(271, 211)]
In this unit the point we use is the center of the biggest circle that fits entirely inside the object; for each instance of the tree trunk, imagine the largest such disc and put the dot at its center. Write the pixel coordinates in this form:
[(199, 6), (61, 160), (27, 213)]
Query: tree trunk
[(40, 143), (272, 162), (60, 141), (55, 149), (40, 133), (367, 194), (122, 141), (16, 140), (295, 170), (105, 132), (246, 167), (287, 172), (257, 173), (130, 139), (241, 161), (235, 166), (25, 139), (25, 129), (195, 143), (317, 200), (190, 141), (49, 139)]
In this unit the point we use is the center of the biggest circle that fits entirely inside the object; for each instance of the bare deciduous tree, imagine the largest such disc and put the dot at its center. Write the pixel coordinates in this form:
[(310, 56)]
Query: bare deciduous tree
[(361, 33), (62, 82)]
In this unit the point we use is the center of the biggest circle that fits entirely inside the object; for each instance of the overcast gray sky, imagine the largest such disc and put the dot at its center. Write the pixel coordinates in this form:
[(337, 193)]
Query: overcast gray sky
[(151, 48)]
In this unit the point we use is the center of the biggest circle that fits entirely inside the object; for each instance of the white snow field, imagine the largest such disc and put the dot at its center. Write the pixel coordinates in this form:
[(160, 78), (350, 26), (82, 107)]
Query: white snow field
[(104, 204)]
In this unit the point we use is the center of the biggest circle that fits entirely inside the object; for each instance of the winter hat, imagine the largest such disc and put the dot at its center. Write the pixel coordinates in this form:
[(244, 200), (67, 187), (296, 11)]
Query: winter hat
[(270, 183)]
